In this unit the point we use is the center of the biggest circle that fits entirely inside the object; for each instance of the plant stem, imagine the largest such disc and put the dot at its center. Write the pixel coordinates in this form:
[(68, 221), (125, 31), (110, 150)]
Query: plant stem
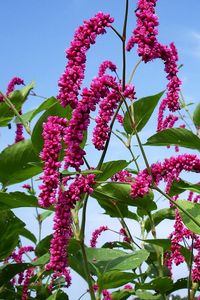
[(134, 70), (12, 106), (81, 239), (190, 269), (117, 33), (124, 46)]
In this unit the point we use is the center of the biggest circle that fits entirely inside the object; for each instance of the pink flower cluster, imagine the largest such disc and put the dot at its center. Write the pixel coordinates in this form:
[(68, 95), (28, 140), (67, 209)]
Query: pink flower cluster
[(169, 170), (106, 295), (96, 234), (145, 36), (107, 107), (53, 131), (61, 236), (177, 236), (62, 225), (80, 120), (122, 176), (73, 76), (23, 278), (19, 127)]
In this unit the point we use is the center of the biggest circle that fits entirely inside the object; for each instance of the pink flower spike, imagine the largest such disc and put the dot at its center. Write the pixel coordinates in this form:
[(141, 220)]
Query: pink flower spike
[(71, 80), (96, 234)]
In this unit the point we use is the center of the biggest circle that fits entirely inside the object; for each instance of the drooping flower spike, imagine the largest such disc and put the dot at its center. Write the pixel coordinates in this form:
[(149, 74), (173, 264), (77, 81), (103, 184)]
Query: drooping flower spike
[(169, 170), (71, 80), (19, 127), (53, 132)]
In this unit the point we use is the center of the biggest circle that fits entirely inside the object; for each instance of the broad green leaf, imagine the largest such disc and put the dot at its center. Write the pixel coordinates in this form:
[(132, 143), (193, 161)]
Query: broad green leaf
[(166, 245), (142, 110), (103, 254), (114, 279), (10, 227), (17, 98), (58, 295), (179, 285), (15, 164), (43, 246), (194, 210), (8, 271), (129, 261), (17, 199), (196, 116), (181, 186), (147, 295), (117, 244), (45, 215), (117, 193), (28, 117), (110, 168), (25, 117), (162, 285), (27, 234), (159, 216), (54, 110), (84, 172), (175, 136), (122, 294), (42, 260)]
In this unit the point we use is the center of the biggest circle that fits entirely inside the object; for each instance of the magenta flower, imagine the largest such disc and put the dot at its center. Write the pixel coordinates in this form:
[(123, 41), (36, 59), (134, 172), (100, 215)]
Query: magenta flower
[(53, 131), (71, 80), (96, 234), (169, 170)]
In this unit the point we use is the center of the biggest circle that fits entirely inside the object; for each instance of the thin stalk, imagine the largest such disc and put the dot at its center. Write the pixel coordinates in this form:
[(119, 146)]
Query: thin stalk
[(81, 238), (37, 215), (190, 269), (117, 33), (195, 286), (177, 205), (143, 153), (124, 46), (134, 70), (36, 95), (86, 162), (9, 103)]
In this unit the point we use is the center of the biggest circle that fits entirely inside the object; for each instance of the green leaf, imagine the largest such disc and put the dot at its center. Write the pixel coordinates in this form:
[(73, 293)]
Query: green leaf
[(175, 136), (114, 279), (45, 215), (10, 227), (14, 163), (159, 216), (42, 260), (119, 193), (8, 271), (129, 261), (166, 245), (196, 116), (147, 296), (162, 285), (181, 186), (110, 168), (54, 110), (84, 172), (27, 234), (17, 98), (17, 199), (122, 294), (143, 109), (28, 117), (43, 246), (103, 254), (194, 210), (58, 295)]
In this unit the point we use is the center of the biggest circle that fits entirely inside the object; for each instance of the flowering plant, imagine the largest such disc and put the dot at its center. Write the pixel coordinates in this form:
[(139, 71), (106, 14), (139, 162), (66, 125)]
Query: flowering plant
[(133, 265)]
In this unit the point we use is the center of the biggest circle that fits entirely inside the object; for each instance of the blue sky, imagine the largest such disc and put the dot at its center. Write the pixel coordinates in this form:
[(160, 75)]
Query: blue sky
[(34, 35)]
